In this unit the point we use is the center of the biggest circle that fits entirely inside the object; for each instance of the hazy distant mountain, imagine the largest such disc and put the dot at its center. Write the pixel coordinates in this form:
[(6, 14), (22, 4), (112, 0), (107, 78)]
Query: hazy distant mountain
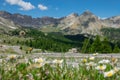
[(87, 22), (28, 21)]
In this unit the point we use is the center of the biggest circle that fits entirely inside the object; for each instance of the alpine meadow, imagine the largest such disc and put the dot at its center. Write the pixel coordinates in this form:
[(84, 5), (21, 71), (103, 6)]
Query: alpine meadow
[(59, 40)]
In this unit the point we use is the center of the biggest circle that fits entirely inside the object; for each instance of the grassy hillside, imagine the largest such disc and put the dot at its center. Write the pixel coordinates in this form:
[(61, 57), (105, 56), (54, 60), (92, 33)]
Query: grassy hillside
[(55, 41)]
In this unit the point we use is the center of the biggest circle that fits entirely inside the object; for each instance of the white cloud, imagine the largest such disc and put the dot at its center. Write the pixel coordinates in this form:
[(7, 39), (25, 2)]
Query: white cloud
[(13, 2), (24, 5), (42, 7)]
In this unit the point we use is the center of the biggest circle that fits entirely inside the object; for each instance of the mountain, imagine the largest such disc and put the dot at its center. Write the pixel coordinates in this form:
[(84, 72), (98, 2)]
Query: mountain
[(112, 22), (28, 21), (86, 23), (7, 25)]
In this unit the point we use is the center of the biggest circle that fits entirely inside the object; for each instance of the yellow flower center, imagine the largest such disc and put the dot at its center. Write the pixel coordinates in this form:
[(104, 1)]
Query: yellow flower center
[(109, 74), (84, 60), (101, 67), (40, 60), (12, 57)]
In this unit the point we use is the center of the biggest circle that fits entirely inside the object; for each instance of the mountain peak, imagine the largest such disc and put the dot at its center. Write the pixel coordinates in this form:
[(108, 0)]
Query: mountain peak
[(87, 12), (73, 15)]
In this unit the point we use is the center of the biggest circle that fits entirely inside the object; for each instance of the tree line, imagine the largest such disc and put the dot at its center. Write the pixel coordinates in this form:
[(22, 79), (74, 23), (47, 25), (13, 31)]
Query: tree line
[(101, 46), (62, 43)]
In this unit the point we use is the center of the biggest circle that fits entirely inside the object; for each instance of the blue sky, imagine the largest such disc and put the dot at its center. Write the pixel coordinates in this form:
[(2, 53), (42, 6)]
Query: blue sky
[(60, 8)]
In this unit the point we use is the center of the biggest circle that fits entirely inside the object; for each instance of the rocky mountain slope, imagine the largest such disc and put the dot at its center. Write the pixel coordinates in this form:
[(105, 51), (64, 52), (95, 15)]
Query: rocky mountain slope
[(6, 25), (28, 21), (87, 22), (112, 22)]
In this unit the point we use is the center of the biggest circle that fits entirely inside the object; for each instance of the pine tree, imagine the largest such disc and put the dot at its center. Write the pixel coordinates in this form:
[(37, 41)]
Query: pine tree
[(31, 43), (106, 47), (96, 45), (17, 42), (116, 49)]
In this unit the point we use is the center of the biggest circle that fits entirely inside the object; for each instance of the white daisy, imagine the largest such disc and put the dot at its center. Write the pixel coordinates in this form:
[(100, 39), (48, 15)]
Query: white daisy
[(109, 73), (104, 61), (101, 67)]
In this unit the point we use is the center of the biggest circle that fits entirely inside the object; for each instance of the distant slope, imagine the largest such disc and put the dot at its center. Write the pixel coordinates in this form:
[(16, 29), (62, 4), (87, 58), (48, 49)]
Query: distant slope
[(28, 21), (7, 25)]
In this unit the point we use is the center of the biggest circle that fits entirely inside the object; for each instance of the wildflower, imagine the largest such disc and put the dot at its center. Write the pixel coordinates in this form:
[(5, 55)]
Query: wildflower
[(104, 61), (95, 54), (12, 57), (91, 58), (116, 69), (109, 73), (114, 60), (36, 65), (38, 60), (101, 67), (91, 64), (57, 61), (84, 60)]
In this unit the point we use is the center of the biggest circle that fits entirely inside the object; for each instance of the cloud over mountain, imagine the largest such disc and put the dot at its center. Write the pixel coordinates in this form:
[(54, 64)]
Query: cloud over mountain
[(23, 5), (42, 7)]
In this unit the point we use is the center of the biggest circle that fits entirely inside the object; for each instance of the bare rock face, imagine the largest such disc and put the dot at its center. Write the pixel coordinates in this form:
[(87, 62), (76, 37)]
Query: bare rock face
[(112, 22), (87, 22)]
